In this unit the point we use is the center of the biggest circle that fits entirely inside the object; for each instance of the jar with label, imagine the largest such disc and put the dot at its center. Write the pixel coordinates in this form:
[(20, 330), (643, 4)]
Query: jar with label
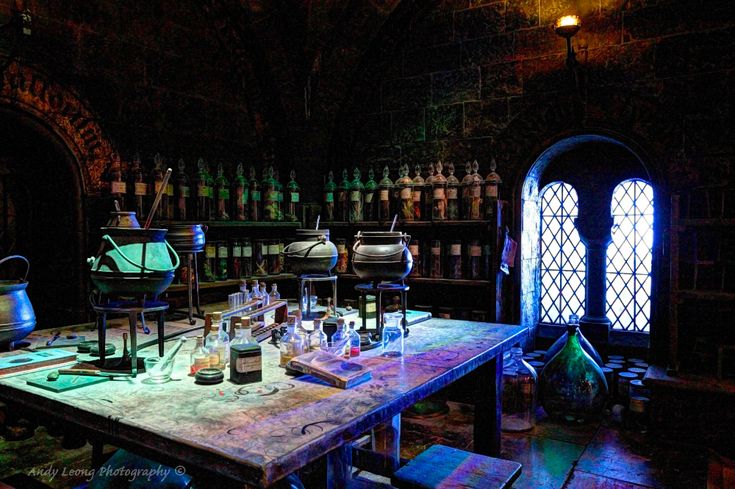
[(492, 185), (223, 258), (418, 184), (236, 247), (254, 190), (385, 187), (292, 343), (279, 194), (199, 357), (211, 202), (439, 188), (454, 260), (118, 186), (413, 247), (274, 258), (356, 197), (210, 261), (240, 195), (271, 206), (453, 186), (329, 189), (471, 193), (164, 208), (260, 263), (342, 198), (246, 258), (342, 256), (437, 259), (138, 188), (428, 193), (487, 271), (474, 260), (370, 198), (222, 194), (293, 198), (182, 193), (404, 191), (519, 393)]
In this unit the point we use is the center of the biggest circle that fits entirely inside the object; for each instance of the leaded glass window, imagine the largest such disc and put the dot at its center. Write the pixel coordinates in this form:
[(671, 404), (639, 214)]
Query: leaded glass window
[(562, 255), (629, 257)]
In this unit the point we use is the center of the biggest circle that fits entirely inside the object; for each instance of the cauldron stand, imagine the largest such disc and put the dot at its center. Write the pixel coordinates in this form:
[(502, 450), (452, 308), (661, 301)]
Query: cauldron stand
[(371, 339)]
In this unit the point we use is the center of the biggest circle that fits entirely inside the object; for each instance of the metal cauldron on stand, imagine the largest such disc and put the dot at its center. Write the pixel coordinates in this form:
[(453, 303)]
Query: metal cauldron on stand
[(312, 253), (17, 318), (381, 255)]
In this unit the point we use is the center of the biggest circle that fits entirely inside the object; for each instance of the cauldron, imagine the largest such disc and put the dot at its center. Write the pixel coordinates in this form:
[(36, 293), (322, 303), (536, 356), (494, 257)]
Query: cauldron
[(311, 254), (17, 318), (187, 238), (381, 255)]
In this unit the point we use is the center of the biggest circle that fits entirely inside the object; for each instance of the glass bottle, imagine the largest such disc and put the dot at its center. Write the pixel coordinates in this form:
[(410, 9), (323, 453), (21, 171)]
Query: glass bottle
[(341, 340), (246, 260), (138, 188), (417, 187), (413, 247), (471, 193), (437, 260), (236, 247), (487, 272), (183, 193), (492, 184), (343, 260), (254, 190), (454, 260), (222, 194), (428, 193), (453, 186), (212, 202), (562, 340), (318, 338), (274, 258), (292, 343), (279, 193), (385, 188), (210, 261), (199, 357), (163, 211), (573, 387), (274, 294), (342, 198), (243, 333), (224, 338), (369, 197), (519, 393), (354, 341), (477, 197), (223, 259), (392, 335), (270, 196), (404, 191), (329, 189), (241, 194), (439, 189), (202, 191), (214, 344), (474, 260), (118, 187), (356, 197), (293, 192)]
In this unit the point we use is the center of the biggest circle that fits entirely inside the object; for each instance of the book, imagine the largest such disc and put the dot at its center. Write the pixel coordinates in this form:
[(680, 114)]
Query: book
[(331, 368), (27, 361)]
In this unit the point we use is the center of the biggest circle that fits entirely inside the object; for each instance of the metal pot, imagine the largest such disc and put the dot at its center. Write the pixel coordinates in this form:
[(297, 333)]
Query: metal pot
[(312, 253), (123, 219), (187, 238), (17, 318), (134, 262), (381, 255)]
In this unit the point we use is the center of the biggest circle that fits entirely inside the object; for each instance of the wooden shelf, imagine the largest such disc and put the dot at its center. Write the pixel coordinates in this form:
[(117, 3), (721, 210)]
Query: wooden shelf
[(656, 376), (231, 282), (387, 224), (710, 295), (432, 281), (236, 224), (706, 221)]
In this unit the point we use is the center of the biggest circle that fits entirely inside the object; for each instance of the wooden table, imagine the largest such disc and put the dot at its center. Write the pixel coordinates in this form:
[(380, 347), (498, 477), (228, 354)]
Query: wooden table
[(259, 433)]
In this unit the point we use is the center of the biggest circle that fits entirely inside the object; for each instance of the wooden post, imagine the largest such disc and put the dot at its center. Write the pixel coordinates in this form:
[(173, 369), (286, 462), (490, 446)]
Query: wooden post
[(488, 407)]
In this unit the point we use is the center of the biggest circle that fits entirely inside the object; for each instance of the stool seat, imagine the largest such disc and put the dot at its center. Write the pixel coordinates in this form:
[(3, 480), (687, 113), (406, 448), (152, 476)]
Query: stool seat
[(442, 467)]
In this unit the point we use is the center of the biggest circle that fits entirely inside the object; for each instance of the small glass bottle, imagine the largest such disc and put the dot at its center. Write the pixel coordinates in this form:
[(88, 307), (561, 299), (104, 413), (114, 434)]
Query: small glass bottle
[(318, 338), (392, 336), (224, 338), (354, 341), (477, 197), (279, 194), (342, 198), (138, 188), (454, 260), (236, 247), (437, 259), (417, 187), (292, 343), (369, 198), (519, 393), (243, 333), (329, 188), (385, 188), (222, 194), (214, 344), (413, 247), (472, 192), (274, 294), (341, 339), (202, 191), (453, 186), (271, 205), (439, 186), (356, 197), (492, 184), (118, 186), (467, 183), (182, 193), (343, 260), (294, 198), (246, 261), (474, 260), (223, 260), (199, 357), (428, 193), (404, 192), (241, 194), (210, 261), (254, 190)]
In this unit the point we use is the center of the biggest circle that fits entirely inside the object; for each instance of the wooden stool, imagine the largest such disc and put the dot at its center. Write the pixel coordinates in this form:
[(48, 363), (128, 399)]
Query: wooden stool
[(442, 467)]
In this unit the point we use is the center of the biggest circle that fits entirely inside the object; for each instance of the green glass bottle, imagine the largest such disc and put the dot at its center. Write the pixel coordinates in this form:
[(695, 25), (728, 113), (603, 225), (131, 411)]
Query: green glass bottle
[(342, 198), (586, 345), (385, 187), (370, 199), (293, 194), (356, 197), (573, 387), (329, 189), (222, 194)]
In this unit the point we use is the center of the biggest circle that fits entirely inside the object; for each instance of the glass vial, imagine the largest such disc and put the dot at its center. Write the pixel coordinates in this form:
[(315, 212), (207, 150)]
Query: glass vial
[(392, 335), (454, 260)]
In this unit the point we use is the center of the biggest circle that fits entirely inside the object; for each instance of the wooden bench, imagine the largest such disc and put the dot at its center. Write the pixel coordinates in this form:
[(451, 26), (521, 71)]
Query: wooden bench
[(442, 467)]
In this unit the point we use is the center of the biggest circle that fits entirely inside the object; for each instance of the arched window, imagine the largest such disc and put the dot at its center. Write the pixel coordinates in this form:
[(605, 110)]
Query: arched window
[(629, 257), (562, 255)]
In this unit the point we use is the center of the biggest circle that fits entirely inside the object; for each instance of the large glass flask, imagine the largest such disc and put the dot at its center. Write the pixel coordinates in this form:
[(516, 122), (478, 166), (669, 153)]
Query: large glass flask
[(519, 393)]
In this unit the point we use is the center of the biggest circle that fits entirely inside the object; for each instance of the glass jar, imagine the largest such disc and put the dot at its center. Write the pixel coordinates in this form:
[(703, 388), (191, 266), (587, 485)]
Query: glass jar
[(342, 256), (222, 194), (210, 261), (519, 393), (472, 192), (223, 259), (274, 258), (254, 191), (385, 188), (318, 338), (246, 259), (260, 264), (392, 335), (404, 192), (474, 260), (437, 259), (240, 195), (428, 193), (342, 198), (293, 194), (417, 186), (202, 191), (182, 193), (356, 198), (369, 198), (414, 249), (329, 188), (492, 184), (271, 204), (199, 357), (487, 262), (439, 193), (454, 260), (453, 186), (236, 246)]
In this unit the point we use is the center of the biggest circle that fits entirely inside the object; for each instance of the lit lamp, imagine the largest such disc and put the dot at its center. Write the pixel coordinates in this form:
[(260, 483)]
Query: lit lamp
[(566, 27)]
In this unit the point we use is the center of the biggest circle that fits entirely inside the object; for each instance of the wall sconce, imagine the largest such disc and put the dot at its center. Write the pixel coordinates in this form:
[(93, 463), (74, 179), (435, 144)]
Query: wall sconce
[(566, 27)]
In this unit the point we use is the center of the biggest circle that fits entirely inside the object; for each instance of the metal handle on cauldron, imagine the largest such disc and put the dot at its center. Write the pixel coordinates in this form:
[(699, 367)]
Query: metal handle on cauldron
[(109, 239), (369, 255), (285, 252), (28, 264)]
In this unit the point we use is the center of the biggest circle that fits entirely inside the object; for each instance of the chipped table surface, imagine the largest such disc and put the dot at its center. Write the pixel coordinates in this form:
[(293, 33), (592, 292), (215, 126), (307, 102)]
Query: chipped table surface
[(258, 433)]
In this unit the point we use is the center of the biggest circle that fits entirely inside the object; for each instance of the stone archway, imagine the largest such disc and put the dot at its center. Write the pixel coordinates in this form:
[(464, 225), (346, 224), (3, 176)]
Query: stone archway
[(32, 92)]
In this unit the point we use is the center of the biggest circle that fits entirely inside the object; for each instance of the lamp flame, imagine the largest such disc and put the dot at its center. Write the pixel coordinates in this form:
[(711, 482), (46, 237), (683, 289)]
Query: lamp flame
[(568, 21)]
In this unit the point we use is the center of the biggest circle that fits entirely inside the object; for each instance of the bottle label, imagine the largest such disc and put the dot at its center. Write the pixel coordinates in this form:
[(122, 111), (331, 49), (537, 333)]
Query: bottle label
[(491, 191), (117, 187), (417, 195), (141, 188), (355, 196), (295, 197), (210, 251), (475, 251), (341, 248), (273, 249), (170, 189), (455, 250), (256, 196), (244, 365), (384, 195), (243, 195), (224, 194), (436, 251), (222, 251), (369, 198), (272, 196), (452, 193), (476, 191), (236, 251), (439, 193), (329, 197), (247, 251), (157, 186), (406, 193), (414, 249), (185, 191)]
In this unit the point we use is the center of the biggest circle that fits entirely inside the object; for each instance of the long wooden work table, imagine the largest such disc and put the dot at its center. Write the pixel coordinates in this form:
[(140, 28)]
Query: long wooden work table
[(259, 433)]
